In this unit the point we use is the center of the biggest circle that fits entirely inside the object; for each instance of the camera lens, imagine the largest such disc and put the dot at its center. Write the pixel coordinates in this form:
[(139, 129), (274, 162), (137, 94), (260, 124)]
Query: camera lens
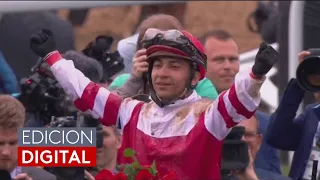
[(314, 79), (308, 73)]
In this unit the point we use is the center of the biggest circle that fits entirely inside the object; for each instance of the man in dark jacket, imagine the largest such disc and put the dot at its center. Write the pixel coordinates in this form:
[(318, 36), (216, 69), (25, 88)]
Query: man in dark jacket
[(298, 134), (16, 29)]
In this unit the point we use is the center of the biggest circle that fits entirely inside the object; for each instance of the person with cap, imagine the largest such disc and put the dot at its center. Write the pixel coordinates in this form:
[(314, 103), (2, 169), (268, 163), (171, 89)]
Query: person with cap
[(177, 129), (127, 48)]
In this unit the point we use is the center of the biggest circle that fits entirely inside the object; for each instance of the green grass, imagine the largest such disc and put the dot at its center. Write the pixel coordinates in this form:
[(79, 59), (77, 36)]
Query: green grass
[(285, 169)]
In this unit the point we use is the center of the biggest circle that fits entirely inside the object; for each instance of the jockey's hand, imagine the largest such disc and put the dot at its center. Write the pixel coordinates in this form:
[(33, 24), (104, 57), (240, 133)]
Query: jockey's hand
[(42, 42), (266, 58)]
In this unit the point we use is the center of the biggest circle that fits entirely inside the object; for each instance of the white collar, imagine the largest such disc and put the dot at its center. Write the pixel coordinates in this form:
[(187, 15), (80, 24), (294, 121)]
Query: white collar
[(181, 102)]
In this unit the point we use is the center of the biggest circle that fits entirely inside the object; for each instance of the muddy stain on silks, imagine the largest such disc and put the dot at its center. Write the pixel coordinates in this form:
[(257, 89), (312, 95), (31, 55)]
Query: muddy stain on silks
[(197, 107), (182, 114), (201, 106), (147, 109)]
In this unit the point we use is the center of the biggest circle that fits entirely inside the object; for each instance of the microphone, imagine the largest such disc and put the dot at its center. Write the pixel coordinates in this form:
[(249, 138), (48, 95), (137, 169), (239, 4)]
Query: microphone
[(5, 175)]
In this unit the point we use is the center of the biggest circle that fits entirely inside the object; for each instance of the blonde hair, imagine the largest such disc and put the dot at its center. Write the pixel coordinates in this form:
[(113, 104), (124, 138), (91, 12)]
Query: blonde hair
[(12, 112)]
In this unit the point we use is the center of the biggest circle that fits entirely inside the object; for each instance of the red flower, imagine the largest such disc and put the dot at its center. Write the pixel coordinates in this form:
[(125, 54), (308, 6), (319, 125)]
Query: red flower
[(104, 175), (144, 174), (170, 176), (120, 176)]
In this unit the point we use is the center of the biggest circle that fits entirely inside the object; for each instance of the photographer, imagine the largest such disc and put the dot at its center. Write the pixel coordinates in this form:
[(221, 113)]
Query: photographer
[(299, 134), (253, 137)]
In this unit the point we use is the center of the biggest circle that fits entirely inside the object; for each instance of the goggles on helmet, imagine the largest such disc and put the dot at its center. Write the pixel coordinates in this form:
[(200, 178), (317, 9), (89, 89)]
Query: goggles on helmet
[(173, 38)]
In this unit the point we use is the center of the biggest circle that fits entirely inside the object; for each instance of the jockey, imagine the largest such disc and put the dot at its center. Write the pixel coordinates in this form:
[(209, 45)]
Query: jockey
[(178, 129)]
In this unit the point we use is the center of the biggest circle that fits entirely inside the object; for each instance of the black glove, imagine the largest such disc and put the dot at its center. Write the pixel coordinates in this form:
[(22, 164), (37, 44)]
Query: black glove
[(266, 58), (42, 42)]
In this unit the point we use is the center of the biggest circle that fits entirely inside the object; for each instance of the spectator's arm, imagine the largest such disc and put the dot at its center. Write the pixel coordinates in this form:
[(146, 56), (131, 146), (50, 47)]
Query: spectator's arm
[(284, 130), (131, 87), (7, 77), (206, 89)]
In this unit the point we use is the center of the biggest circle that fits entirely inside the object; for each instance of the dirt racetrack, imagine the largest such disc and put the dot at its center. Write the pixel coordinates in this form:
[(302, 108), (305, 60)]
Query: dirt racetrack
[(200, 17)]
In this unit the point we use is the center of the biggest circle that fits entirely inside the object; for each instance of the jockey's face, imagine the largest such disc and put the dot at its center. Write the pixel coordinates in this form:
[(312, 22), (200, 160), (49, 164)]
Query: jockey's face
[(170, 77)]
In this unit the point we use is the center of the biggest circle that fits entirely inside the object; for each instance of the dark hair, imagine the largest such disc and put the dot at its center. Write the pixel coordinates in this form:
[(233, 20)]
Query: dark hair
[(90, 67), (219, 34)]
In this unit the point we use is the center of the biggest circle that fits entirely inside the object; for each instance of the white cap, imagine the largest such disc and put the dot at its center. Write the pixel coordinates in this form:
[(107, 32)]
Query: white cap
[(127, 48)]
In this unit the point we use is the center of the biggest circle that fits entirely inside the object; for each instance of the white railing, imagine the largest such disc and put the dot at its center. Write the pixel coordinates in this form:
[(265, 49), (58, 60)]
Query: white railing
[(295, 42), (269, 91), (295, 37), (19, 6)]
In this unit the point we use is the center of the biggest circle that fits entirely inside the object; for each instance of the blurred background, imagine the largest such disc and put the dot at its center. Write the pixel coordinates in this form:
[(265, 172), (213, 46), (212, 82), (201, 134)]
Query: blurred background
[(198, 18)]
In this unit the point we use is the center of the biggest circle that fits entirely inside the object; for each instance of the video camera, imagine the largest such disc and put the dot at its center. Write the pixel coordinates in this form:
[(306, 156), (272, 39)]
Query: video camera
[(41, 93), (235, 154), (98, 49), (83, 120)]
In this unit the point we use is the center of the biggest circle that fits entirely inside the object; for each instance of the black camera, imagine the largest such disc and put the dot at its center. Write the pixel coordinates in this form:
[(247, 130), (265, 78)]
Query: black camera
[(41, 93), (308, 72), (111, 62), (235, 153), (83, 120)]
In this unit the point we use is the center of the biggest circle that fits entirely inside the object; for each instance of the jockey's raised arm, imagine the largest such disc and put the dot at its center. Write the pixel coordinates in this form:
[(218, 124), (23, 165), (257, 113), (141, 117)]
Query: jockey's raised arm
[(237, 103), (87, 95)]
